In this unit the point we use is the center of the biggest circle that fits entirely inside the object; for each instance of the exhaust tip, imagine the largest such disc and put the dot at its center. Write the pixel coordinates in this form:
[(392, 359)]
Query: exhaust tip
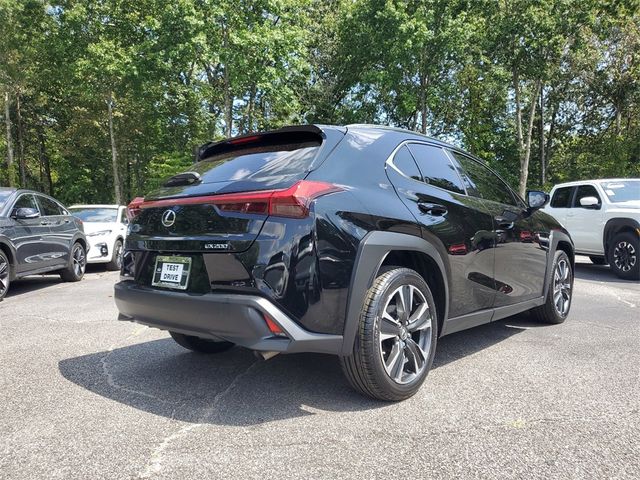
[(264, 355)]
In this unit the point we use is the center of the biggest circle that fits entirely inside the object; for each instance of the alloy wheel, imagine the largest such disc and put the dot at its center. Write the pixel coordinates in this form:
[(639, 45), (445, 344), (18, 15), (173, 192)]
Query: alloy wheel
[(79, 260), (405, 334), (118, 252), (4, 276), (624, 256), (562, 287)]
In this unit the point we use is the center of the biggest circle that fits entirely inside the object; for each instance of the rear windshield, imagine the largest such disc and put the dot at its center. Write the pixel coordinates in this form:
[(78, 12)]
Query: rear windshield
[(271, 164), (95, 214), (622, 190), (3, 197)]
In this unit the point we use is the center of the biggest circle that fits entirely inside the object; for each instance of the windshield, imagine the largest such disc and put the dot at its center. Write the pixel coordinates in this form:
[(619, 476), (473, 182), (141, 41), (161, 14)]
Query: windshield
[(3, 197), (622, 190), (95, 214)]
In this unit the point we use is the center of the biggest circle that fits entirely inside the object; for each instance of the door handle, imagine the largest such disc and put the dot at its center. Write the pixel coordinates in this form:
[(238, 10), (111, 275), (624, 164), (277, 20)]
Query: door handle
[(434, 209), (503, 222), (44, 222)]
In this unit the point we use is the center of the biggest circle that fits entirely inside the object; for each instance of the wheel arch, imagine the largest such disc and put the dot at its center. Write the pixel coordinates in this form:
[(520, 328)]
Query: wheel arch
[(559, 240), (379, 249), (9, 251), (615, 226)]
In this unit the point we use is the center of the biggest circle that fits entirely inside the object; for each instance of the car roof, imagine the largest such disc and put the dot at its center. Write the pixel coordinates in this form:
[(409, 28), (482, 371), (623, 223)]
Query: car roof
[(410, 134), (95, 205), (595, 180)]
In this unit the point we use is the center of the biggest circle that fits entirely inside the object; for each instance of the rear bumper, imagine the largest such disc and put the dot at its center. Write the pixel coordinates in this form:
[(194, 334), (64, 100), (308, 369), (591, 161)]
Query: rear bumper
[(232, 317)]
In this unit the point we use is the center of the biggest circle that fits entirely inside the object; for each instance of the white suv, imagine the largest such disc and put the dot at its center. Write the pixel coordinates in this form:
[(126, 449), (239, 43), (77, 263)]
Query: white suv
[(603, 218), (105, 227)]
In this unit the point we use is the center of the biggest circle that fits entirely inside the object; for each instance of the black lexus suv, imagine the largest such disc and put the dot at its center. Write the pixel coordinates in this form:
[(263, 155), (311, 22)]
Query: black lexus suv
[(38, 235), (364, 242)]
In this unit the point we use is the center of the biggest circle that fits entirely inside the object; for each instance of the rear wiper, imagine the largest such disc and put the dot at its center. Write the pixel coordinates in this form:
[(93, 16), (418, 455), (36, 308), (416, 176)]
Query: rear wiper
[(183, 179)]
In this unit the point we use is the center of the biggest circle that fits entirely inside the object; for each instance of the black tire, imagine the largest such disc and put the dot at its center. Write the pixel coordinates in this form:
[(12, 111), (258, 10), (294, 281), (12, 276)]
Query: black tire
[(370, 368), (77, 264), (200, 345), (556, 308), (598, 260), (116, 257), (624, 256), (5, 275)]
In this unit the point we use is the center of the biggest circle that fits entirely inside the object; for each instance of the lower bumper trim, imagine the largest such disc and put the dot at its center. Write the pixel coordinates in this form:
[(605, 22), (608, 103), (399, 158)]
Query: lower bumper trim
[(231, 317)]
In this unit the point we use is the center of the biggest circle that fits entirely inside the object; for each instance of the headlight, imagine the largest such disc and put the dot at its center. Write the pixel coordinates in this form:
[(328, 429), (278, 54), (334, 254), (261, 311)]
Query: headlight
[(99, 234)]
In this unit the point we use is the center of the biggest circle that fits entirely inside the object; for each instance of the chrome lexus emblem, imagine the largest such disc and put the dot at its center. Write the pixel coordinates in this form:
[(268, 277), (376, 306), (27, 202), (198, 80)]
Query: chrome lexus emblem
[(168, 218)]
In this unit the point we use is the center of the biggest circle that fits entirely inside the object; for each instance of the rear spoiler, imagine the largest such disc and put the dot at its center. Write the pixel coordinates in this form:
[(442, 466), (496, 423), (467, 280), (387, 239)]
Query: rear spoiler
[(297, 136)]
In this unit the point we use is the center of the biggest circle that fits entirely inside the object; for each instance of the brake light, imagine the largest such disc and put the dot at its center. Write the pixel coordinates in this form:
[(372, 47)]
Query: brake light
[(293, 202), (134, 207)]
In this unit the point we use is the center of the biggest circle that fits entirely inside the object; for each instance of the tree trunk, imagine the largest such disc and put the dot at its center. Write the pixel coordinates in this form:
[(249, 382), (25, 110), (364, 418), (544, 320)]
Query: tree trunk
[(7, 121), (44, 162), (114, 153), (228, 98), (22, 161), (543, 166), (524, 161), (423, 103), (516, 88), (252, 99)]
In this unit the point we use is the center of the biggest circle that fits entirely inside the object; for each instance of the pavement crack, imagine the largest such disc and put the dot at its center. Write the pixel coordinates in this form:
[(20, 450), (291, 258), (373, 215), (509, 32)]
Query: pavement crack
[(158, 455)]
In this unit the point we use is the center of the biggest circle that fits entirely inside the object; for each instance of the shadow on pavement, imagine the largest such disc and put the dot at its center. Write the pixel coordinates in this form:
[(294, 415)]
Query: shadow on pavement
[(232, 388), (37, 282)]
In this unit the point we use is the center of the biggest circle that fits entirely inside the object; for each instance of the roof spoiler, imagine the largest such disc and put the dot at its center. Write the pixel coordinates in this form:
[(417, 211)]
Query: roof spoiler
[(298, 134)]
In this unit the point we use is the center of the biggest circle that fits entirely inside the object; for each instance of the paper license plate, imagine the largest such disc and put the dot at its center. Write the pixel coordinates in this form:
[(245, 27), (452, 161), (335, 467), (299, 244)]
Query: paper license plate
[(172, 272)]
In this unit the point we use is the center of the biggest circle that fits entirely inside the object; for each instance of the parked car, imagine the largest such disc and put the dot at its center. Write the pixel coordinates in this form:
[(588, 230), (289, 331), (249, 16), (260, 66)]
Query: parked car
[(38, 235), (106, 228), (364, 242), (603, 218)]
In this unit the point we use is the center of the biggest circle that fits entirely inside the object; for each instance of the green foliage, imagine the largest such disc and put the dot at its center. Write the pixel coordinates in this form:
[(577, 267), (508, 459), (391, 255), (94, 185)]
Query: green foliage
[(185, 72)]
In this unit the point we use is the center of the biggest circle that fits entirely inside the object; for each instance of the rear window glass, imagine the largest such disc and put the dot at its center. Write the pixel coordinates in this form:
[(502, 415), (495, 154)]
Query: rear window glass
[(562, 198), (3, 197), (275, 163)]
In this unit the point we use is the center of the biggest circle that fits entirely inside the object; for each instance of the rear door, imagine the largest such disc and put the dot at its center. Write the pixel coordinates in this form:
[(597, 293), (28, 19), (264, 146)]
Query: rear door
[(61, 231), (586, 225), (560, 204), (28, 236), (430, 187), (520, 258)]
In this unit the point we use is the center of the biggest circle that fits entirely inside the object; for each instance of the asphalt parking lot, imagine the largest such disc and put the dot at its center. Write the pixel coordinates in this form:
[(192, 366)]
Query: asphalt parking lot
[(85, 396)]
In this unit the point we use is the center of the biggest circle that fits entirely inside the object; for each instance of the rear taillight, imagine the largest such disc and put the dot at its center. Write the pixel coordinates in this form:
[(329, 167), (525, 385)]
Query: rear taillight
[(133, 209), (293, 202)]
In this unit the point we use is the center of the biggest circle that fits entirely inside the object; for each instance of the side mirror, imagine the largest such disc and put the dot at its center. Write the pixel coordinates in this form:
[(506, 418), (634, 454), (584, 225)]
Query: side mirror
[(536, 199), (590, 202), (25, 213)]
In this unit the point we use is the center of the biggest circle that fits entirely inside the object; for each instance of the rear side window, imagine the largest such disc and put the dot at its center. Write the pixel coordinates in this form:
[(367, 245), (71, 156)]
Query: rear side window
[(562, 198), (404, 162), (482, 182), (585, 191), (49, 207), (436, 168)]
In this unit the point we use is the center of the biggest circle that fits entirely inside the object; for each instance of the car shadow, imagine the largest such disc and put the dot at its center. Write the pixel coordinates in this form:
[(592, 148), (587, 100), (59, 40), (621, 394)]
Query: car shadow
[(34, 283), (160, 377)]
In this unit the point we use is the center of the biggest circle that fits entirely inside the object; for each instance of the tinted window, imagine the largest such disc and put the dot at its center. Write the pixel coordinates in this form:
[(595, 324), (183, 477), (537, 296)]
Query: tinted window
[(585, 191), (26, 201), (406, 164), (436, 168), (49, 207), (562, 198), (482, 182), (95, 214), (269, 163)]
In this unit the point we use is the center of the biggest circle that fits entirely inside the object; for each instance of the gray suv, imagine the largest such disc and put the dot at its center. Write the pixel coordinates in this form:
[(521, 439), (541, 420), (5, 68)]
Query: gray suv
[(38, 235)]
